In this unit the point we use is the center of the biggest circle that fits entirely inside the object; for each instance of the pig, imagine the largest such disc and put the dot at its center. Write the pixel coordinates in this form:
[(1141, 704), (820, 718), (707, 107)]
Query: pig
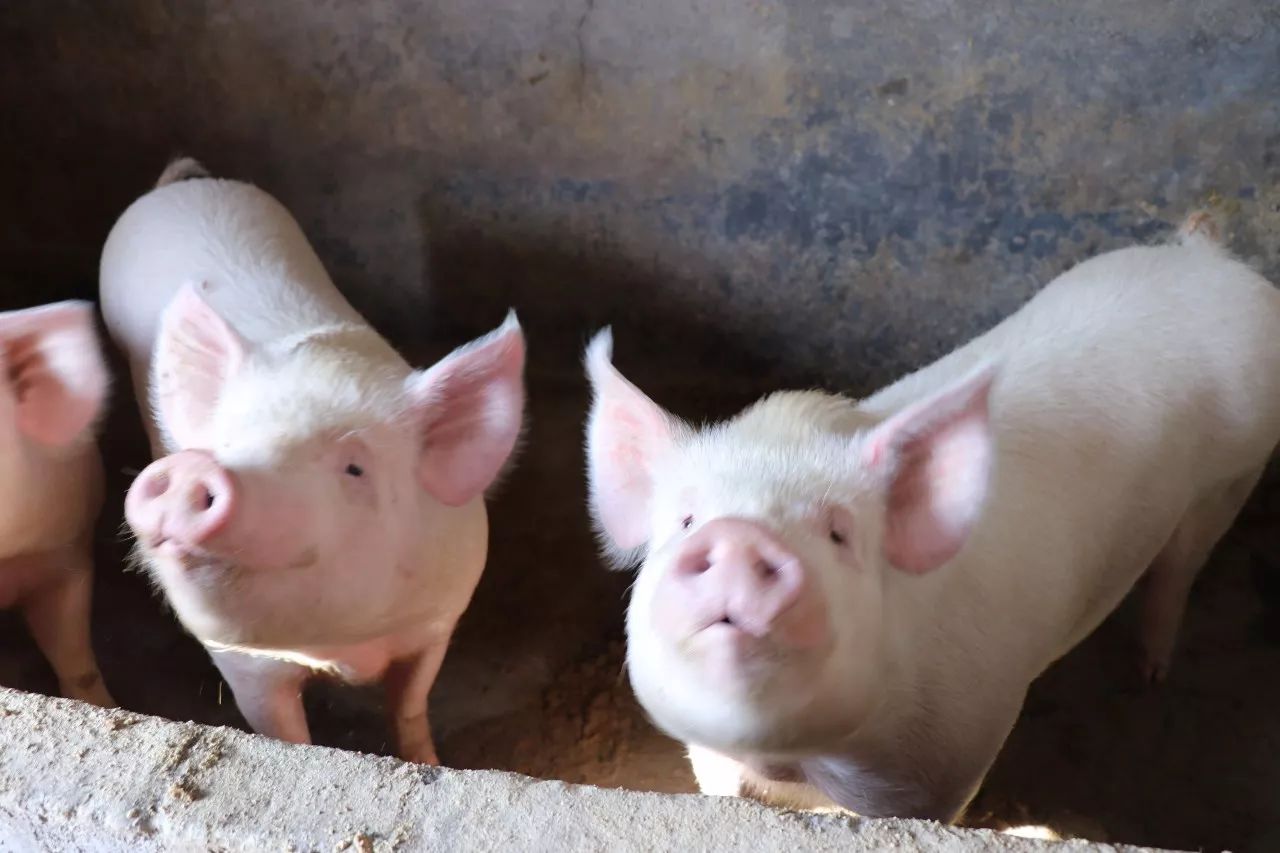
[(55, 385), (316, 506), (842, 604)]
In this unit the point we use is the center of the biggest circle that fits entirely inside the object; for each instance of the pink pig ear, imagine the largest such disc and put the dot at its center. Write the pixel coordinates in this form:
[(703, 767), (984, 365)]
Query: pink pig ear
[(196, 353), (936, 456), (57, 375), (470, 407), (626, 433)]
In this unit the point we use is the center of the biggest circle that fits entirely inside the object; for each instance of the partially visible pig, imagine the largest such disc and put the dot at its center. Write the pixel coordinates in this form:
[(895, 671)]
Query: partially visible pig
[(50, 400), (321, 507), (845, 602)]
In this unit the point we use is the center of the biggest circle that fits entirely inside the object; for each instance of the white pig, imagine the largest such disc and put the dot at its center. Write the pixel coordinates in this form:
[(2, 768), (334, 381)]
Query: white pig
[(844, 603), (321, 509), (50, 399)]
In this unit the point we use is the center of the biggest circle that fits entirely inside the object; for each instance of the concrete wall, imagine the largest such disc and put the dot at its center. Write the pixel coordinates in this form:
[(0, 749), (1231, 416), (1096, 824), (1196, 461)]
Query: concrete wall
[(835, 190), (75, 778)]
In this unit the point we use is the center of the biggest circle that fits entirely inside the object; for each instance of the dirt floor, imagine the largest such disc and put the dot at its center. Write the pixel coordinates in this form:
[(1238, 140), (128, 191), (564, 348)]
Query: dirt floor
[(535, 684)]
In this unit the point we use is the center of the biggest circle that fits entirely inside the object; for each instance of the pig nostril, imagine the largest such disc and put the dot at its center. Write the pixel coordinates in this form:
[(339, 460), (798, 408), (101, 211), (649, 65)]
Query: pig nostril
[(202, 499), (154, 487), (766, 569)]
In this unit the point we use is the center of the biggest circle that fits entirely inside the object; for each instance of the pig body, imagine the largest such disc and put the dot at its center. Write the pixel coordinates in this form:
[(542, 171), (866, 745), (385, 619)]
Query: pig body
[(845, 603), (316, 506), (52, 474)]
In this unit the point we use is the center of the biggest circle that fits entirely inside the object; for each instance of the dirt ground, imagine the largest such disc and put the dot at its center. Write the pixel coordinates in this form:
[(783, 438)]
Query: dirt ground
[(535, 683)]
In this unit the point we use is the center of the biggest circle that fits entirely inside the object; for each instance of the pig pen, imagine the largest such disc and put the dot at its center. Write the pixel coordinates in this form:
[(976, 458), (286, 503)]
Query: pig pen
[(755, 195)]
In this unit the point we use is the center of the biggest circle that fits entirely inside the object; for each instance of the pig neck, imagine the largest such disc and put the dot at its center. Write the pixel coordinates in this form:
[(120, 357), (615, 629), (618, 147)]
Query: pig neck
[(356, 339), (280, 306), (346, 341), (54, 499), (907, 741), (898, 674)]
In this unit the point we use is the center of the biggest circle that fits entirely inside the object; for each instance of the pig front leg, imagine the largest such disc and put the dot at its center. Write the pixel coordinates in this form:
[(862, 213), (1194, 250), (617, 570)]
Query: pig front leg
[(57, 615), (1175, 569), (408, 683), (268, 693), (717, 775)]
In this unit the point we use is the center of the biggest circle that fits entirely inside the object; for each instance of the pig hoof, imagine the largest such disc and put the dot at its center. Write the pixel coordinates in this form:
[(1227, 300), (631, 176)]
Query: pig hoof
[(101, 698), (89, 689), (1154, 670), (425, 754)]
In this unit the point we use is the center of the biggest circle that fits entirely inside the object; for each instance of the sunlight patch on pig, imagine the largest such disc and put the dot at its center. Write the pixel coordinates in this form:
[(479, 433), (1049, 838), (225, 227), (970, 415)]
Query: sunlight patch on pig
[(316, 665), (1030, 830)]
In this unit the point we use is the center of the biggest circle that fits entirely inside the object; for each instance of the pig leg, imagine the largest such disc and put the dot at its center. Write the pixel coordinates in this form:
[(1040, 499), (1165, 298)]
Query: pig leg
[(408, 683), (57, 615), (787, 795), (268, 693), (717, 775), (1174, 570)]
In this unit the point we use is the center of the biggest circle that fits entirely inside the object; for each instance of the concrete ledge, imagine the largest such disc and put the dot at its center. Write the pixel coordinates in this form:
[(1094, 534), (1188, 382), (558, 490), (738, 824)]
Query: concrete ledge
[(77, 778)]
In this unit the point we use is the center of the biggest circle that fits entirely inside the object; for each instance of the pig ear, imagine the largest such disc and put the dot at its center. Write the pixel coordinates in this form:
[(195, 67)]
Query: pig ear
[(57, 375), (470, 408), (626, 432), (196, 353), (935, 458)]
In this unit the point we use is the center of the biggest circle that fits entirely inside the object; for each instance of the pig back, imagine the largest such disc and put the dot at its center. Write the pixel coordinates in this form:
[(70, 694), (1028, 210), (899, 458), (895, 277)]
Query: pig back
[(258, 270), (1130, 387)]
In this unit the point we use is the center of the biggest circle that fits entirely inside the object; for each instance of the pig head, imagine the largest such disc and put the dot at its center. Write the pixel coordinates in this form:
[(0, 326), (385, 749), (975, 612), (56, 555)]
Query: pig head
[(319, 491), (760, 624)]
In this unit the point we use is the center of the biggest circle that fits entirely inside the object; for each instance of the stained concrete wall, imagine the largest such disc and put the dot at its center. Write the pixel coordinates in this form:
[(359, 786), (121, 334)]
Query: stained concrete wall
[(75, 778), (829, 190), (754, 193)]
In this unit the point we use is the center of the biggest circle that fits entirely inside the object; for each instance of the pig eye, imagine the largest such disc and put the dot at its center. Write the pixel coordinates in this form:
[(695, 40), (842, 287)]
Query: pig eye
[(837, 537), (686, 522), (354, 470)]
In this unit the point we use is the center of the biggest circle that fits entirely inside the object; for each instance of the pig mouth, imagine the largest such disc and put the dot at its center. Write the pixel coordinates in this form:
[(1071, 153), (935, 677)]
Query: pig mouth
[(749, 635), (729, 624), (730, 657), (185, 558), (726, 634)]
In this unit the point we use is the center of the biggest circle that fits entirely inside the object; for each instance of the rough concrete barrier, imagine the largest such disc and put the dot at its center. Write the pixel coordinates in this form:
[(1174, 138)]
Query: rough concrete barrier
[(78, 778)]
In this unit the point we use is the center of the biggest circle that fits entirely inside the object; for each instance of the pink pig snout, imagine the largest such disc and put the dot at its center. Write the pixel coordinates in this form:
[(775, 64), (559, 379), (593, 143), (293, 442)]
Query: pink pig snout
[(184, 499), (737, 573)]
